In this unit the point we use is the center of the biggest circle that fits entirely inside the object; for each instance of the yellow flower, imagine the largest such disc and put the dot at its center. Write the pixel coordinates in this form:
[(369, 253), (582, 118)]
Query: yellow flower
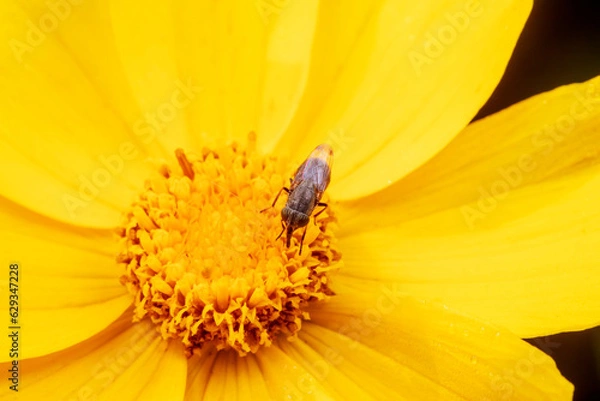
[(438, 244)]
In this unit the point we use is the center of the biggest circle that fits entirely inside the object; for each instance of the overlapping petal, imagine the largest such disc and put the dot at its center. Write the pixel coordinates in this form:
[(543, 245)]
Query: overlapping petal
[(504, 223), (71, 153), (67, 288), (124, 362), (401, 348), (246, 64), (413, 77), (189, 75)]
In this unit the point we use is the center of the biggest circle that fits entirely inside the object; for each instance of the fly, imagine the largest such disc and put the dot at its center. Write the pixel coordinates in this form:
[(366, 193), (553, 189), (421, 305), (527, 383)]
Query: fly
[(304, 194)]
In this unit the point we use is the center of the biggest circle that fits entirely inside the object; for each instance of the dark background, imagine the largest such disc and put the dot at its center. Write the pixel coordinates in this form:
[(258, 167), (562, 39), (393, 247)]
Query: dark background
[(559, 45)]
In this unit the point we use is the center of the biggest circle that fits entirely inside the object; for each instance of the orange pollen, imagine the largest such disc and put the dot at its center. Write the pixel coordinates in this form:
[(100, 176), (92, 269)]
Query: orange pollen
[(203, 262)]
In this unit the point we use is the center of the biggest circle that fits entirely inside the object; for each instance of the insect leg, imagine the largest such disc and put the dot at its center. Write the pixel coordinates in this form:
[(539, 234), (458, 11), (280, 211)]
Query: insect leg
[(324, 206), (302, 239), (282, 230), (277, 197)]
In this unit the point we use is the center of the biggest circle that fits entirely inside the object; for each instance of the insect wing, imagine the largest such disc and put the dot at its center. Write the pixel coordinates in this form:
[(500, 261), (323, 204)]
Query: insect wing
[(316, 168), (319, 165)]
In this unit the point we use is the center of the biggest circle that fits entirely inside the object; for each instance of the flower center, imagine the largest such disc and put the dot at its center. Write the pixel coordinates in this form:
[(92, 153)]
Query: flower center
[(205, 265)]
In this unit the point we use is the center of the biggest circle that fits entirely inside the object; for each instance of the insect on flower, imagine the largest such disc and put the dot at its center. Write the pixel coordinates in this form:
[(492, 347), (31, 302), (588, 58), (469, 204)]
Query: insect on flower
[(305, 192)]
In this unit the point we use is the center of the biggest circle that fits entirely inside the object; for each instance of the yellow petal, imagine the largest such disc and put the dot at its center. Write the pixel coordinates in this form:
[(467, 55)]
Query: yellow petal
[(124, 362), (286, 67), (65, 274), (408, 83), (288, 379), (401, 348), (225, 376), (343, 380), (157, 374), (339, 23), (200, 374), (244, 62), (148, 57), (528, 259), (71, 155)]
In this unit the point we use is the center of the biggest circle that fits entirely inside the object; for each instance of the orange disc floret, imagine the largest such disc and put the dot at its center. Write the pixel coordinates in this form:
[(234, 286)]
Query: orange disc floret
[(204, 264)]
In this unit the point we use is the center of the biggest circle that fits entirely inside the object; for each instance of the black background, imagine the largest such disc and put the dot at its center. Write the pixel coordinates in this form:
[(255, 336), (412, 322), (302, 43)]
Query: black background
[(559, 45)]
